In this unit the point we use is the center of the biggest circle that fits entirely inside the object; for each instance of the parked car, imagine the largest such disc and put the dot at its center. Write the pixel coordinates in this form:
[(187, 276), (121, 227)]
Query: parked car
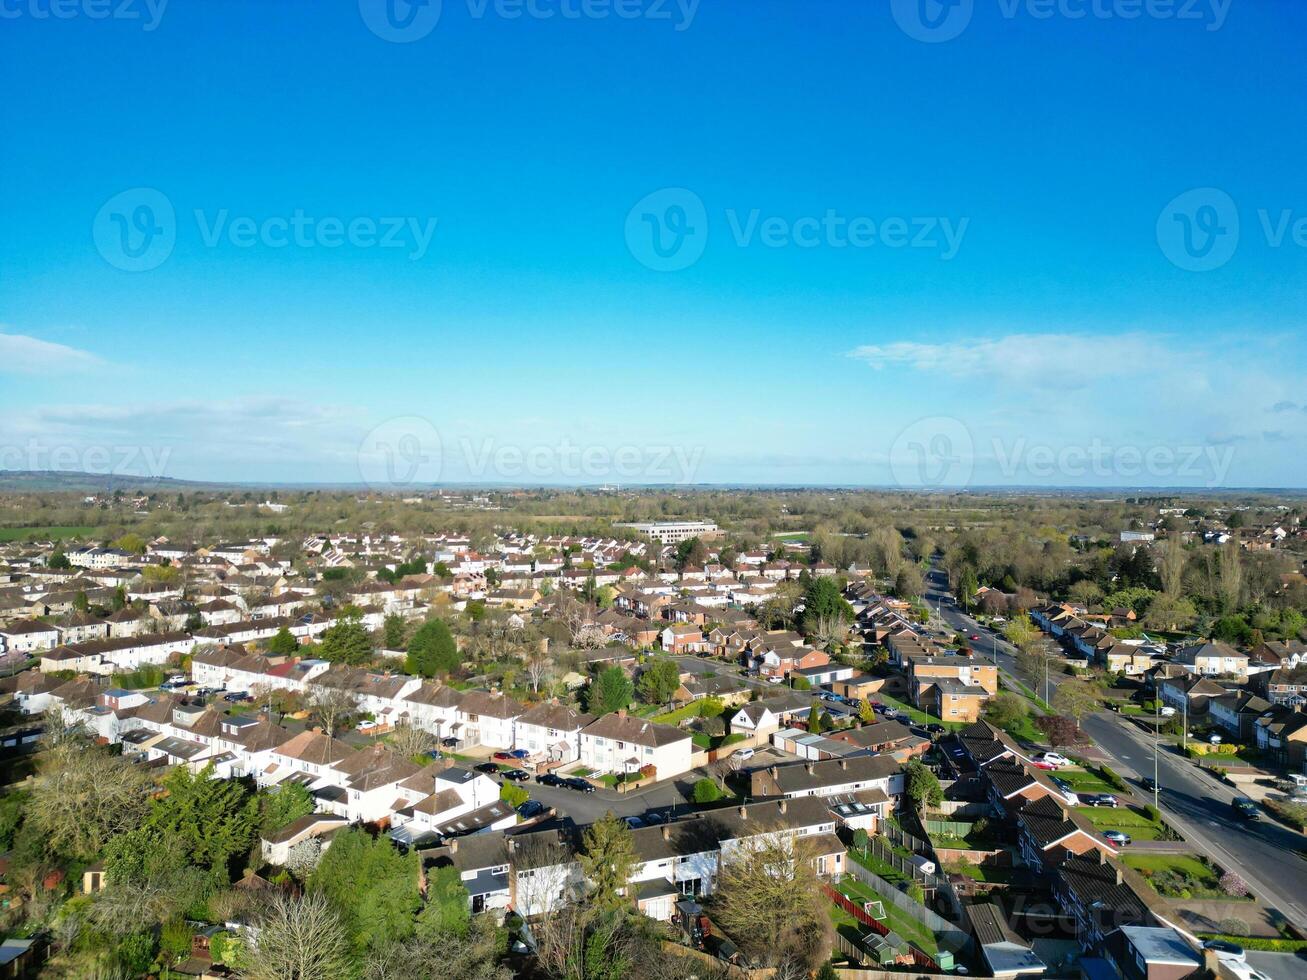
[(936, 728), (177, 679), (517, 775), (449, 742), (1118, 837), (367, 725), (1056, 758), (1226, 950), (891, 714), (531, 808), (235, 696), (504, 757), (1214, 739), (489, 768), (1100, 799), (549, 779), (1167, 711), (635, 823), (1043, 764), (579, 784), (1245, 808), (744, 755), (775, 680), (653, 817)]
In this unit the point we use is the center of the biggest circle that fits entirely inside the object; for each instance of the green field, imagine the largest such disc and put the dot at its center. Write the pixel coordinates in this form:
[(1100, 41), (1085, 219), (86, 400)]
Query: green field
[(1082, 781), (895, 918), (1177, 875), (916, 716), (46, 531), (1133, 822)]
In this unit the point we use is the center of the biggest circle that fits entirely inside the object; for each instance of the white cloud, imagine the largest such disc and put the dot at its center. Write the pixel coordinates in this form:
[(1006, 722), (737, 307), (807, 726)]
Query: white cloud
[(1034, 359), (20, 354)]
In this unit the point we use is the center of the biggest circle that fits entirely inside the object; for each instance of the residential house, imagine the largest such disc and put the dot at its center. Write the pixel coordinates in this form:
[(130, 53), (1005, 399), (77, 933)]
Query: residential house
[(623, 743), (1213, 659)]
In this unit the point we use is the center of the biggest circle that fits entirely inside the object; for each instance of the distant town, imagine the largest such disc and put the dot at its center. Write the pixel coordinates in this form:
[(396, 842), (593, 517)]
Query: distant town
[(1014, 737)]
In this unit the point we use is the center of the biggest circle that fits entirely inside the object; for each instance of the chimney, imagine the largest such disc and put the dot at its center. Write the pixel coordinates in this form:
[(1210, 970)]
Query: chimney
[(453, 845), (744, 813), (844, 764), (621, 712), (1119, 876), (810, 766), (784, 805), (667, 831)]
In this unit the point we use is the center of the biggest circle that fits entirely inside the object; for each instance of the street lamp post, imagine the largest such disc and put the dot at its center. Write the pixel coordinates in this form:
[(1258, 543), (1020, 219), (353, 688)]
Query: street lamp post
[(1156, 728)]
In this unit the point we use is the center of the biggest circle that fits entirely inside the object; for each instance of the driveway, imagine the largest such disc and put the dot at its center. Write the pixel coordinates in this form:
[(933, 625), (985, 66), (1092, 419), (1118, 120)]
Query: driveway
[(1279, 966)]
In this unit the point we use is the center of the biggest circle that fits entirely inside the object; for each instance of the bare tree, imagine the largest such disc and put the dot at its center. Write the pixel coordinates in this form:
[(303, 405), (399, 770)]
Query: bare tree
[(1171, 567), (769, 901), (299, 939), (409, 740), (829, 632), (539, 666), (330, 706), (83, 796), (1231, 574)]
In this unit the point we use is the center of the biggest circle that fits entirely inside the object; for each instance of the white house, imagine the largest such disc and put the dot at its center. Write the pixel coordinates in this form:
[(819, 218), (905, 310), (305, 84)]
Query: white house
[(621, 743)]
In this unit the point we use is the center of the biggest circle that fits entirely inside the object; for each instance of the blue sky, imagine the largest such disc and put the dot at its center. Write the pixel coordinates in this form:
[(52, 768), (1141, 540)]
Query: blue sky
[(901, 260)]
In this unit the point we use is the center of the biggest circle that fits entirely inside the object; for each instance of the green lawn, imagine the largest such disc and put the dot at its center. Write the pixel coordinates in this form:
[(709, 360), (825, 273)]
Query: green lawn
[(1082, 781), (895, 918), (876, 866), (915, 715), (1134, 822), (986, 874), (1177, 875), (46, 531)]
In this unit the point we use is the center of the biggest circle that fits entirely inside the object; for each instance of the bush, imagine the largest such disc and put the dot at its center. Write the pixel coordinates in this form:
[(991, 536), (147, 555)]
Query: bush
[(706, 791), (1232, 884), (1110, 777), (513, 795), (1233, 927), (1152, 813)]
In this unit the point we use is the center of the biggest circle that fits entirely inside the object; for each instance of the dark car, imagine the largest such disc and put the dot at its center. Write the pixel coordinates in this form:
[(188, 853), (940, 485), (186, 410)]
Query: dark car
[(1225, 949), (935, 728), (1150, 783), (517, 775), (1118, 837), (1099, 799), (236, 696), (487, 767), (549, 779), (653, 817), (531, 808), (579, 784), (449, 742), (1245, 808)]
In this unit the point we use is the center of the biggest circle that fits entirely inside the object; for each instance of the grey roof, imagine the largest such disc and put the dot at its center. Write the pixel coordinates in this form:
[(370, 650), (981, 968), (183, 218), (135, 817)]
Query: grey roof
[(1161, 944)]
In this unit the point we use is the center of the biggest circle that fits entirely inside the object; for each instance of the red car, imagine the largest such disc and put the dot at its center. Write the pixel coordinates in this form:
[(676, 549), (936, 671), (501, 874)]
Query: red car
[(974, 637), (1041, 764), (504, 757)]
